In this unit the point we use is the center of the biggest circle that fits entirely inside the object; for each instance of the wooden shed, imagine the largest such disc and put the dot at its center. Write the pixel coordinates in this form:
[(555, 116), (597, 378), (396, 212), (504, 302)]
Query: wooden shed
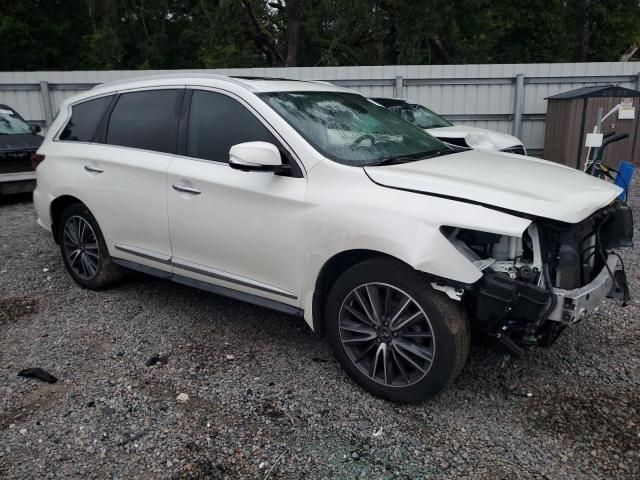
[(571, 115)]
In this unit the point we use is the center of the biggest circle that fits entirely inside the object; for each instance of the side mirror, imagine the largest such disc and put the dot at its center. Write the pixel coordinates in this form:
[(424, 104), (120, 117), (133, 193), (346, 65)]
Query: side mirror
[(35, 128), (256, 157), (408, 115)]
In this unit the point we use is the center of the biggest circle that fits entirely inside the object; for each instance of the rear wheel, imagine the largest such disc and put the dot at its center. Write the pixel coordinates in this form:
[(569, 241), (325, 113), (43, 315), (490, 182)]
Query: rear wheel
[(393, 334), (84, 251)]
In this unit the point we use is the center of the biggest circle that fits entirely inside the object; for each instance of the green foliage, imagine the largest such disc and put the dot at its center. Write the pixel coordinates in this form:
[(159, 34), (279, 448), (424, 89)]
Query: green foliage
[(158, 34)]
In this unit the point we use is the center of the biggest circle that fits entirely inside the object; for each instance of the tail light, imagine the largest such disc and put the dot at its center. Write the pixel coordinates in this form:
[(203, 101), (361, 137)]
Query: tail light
[(36, 159)]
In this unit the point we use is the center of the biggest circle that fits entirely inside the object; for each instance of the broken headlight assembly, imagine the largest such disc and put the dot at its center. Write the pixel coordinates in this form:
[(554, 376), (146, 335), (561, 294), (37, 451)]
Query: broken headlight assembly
[(533, 286)]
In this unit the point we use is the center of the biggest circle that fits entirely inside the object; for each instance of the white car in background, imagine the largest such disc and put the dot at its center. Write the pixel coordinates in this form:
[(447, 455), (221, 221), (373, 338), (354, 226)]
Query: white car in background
[(315, 201), (458, 135)]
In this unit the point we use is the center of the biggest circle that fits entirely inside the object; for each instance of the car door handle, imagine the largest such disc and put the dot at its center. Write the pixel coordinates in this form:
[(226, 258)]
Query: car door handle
[(91, 169), (182, 188)]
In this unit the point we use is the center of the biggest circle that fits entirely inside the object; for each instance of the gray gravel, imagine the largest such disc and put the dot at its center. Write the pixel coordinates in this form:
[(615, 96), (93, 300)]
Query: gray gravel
[(263, 390)]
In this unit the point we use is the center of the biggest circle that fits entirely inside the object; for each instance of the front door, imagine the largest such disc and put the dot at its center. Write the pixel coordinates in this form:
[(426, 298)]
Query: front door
[(229, 227)]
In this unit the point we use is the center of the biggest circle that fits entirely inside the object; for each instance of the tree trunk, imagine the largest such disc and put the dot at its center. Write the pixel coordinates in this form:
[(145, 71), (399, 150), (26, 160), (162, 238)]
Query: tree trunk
[(294, 16), (586, 31), (261, 37), (629, 53), (439, 50)]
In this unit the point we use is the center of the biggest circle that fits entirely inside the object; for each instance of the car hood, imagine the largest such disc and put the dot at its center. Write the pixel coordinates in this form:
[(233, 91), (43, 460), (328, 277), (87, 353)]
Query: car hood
[(20, 143), (507, 181), (479, 138)]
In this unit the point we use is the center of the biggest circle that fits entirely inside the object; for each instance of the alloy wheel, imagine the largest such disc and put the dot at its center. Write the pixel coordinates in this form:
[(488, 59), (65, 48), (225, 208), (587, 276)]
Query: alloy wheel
[(81, 247), (386, 334)]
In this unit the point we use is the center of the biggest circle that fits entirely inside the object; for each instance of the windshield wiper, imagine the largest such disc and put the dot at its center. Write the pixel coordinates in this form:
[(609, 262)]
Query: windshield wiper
[(411, 158), (391, 161)]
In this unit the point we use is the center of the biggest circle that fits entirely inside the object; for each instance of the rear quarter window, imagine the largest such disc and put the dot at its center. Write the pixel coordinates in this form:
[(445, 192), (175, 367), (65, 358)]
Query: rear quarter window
[(84, 121)]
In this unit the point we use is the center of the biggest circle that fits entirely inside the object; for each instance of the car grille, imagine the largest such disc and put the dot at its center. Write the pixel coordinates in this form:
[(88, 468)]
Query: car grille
[(15, 162), (519, 150)]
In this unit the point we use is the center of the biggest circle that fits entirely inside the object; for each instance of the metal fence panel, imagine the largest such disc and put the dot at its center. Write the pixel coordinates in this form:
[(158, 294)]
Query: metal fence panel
[(486, 96)]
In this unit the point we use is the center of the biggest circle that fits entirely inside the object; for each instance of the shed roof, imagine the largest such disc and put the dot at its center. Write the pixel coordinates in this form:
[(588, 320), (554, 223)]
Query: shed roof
[(596, 91)]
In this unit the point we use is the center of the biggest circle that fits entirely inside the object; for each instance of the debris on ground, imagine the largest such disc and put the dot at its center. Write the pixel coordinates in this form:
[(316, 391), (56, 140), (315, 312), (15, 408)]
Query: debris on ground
[(37, 373), (157, 359), (182, 398)]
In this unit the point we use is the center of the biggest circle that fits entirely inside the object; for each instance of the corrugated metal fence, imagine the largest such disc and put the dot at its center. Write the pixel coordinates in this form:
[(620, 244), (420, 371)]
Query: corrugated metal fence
[(508, 98)]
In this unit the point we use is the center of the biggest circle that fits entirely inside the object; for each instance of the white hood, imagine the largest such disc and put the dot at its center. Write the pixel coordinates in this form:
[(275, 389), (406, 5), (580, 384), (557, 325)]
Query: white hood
[(479, 138), (514, 182)]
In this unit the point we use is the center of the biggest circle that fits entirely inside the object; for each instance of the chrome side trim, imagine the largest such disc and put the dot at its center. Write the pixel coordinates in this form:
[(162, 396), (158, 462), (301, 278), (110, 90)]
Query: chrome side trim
[(229, 277), (144, 253), (202, 270), (210, 287)]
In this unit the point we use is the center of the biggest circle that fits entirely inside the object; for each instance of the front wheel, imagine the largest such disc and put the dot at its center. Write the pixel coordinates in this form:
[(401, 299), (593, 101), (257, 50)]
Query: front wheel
[(393, 334)]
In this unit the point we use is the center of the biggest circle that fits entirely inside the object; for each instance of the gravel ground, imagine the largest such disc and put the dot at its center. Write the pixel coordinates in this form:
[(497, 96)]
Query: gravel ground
[(266, 398)]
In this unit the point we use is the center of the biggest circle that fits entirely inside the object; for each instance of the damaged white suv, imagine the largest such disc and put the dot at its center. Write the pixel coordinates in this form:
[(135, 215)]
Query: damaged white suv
[(312, 200)]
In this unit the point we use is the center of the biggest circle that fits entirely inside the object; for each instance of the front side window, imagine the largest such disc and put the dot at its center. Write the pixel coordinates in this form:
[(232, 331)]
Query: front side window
[(84, 121), (11, 123), (217, 122), (421, 116), (351, 129), (146, 120)]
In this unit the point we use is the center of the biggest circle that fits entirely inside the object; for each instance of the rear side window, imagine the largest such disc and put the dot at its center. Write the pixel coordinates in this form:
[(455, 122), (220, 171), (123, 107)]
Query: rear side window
[(146, 120), (217, 122), (84, 121)]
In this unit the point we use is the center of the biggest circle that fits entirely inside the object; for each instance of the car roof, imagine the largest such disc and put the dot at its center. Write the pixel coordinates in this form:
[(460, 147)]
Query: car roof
[(7, 107), (253, 84), (11, 109)]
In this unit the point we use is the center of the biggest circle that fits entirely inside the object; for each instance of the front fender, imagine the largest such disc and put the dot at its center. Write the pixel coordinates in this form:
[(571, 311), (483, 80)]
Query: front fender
[(411, 235)]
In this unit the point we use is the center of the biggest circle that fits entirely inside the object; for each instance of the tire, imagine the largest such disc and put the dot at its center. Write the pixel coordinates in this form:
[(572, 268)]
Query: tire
[(88, 261), (432, 331)]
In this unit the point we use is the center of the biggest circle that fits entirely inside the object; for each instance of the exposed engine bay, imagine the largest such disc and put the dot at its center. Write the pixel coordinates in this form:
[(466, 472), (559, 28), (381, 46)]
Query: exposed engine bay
[(535, 286)]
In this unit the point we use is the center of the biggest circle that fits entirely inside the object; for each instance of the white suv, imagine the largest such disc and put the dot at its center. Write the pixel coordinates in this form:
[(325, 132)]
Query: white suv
[(315, 201)]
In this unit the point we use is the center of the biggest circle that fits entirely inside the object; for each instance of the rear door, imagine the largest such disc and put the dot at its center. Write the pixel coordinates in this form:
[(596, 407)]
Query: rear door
[(126, 170), (229, 227)]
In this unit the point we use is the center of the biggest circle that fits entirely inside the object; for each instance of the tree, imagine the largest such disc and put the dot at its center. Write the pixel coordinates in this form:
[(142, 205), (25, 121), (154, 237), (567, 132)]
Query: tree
[(164, 34)]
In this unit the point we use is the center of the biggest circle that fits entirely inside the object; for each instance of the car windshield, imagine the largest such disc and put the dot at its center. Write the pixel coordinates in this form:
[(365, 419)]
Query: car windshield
[(421, 116), (352, 130), (11, 124)]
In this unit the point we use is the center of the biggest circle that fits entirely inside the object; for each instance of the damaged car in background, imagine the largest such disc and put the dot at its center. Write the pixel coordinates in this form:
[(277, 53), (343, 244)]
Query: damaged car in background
[(312, 200), (457, 135), (18, 141)]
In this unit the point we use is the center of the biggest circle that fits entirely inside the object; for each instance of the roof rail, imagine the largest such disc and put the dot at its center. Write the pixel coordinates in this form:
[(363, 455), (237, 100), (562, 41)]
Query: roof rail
[(258, 77), (163, 76)]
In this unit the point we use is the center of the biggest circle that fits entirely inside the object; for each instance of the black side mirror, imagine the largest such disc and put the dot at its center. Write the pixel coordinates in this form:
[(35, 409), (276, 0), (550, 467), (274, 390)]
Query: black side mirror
[(35, 128), (408, 116)]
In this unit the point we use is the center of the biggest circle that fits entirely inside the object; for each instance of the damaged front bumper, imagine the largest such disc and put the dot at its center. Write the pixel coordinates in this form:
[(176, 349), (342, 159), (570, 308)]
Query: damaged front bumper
[(518, 314), (573, 305), (554, 280)]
